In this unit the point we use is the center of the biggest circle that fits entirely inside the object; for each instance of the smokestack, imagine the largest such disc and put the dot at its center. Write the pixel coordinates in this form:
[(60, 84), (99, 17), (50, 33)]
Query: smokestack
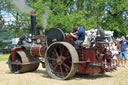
[(33, 24)]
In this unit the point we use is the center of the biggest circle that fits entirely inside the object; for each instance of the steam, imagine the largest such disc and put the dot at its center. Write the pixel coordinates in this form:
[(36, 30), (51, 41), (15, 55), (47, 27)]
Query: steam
[(21, 5), (45, 18)]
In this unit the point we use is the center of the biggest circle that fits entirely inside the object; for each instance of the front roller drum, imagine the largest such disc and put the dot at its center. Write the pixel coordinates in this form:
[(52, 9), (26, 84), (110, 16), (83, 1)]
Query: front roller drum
[(22, 63), (61, 60)]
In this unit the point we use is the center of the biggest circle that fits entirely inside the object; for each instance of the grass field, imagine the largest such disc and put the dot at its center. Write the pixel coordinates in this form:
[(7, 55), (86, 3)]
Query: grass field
[(40, 77), (4, 57)]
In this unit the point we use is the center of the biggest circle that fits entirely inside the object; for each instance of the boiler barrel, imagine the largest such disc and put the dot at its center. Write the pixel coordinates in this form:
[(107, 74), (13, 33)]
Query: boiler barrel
[(37, 50)]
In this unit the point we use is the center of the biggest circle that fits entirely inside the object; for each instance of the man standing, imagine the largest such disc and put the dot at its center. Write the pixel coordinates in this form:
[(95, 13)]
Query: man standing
[(123, 53), (100, 31), (99, 34), (79, 34)]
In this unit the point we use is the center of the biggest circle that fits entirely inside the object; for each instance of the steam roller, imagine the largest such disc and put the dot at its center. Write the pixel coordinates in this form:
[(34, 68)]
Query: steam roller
[(59, 53)]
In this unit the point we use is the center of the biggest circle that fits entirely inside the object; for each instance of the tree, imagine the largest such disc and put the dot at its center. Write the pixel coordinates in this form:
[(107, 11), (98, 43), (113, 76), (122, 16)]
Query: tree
[(66, 14)]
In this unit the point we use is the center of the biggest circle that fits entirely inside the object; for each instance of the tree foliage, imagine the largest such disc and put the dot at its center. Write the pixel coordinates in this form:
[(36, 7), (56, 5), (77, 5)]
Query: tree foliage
[(66, 14)]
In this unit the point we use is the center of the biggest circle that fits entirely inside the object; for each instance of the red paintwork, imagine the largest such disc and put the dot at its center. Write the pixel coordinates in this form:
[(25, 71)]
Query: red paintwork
[(99, 45), (13, 52), (88, 55), (37, 50), (69, 38)]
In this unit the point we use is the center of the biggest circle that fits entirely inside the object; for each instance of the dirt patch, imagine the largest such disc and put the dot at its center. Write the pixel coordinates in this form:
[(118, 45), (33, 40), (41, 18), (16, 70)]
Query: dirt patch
[(40, 77)]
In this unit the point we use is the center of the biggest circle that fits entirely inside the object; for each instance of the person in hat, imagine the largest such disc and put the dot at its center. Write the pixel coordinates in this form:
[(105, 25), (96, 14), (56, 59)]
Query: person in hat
[(78, 34)]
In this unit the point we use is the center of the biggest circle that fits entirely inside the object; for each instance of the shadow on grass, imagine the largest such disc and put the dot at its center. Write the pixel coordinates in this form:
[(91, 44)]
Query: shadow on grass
[(94, 76), (77, 76), (43, 73)]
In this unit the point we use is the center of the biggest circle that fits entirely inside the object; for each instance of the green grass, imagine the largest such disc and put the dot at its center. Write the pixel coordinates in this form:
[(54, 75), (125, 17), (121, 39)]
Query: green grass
[(4, 57)]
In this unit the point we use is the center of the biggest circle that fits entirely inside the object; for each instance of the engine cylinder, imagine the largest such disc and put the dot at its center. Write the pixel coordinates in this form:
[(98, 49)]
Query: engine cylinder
[(37, 50)]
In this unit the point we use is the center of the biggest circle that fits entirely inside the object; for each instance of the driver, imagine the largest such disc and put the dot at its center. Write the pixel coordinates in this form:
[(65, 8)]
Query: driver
[(78, 34)]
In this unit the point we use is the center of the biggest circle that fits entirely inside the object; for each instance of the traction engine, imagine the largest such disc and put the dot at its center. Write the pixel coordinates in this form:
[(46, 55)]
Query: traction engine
[(59, 54)]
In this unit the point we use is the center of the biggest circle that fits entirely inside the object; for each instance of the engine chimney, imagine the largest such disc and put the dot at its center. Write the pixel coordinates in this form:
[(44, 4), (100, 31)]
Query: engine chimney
[(33, 24)]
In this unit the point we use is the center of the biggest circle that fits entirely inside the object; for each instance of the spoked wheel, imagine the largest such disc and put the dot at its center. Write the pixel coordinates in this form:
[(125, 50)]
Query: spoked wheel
[(61, 60), (21, 63)]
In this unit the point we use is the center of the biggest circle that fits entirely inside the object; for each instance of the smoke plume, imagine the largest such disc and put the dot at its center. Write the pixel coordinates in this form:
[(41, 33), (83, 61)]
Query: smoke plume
[(45, 18), (22, 6)]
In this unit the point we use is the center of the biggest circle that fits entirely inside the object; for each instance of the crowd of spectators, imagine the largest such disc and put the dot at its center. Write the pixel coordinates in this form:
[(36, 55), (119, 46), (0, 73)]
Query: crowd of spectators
[(119, 49), (119, 52)]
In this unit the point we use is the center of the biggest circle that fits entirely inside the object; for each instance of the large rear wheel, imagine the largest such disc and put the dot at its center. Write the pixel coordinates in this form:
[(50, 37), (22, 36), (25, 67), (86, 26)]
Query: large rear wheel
[(61, 60)]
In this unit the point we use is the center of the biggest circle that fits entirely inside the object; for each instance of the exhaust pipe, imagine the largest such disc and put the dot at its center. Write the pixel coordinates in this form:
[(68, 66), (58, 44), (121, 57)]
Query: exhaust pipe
[(33, 24)]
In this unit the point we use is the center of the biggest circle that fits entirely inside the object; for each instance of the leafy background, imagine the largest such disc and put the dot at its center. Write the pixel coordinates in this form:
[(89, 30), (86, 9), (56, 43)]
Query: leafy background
[(66, 14)]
